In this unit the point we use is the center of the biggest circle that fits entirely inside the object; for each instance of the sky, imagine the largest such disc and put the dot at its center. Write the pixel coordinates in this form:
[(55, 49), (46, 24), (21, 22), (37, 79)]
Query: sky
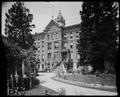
[(43, 12)]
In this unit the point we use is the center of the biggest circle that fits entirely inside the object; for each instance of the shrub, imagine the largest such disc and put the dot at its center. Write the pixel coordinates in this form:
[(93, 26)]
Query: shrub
[(87, 70), (35, 81), (62, 91), (69, 64), (26, 82), (70, 70)]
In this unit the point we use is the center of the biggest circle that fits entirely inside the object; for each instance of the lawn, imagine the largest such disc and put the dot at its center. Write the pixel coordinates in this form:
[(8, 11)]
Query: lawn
[(108, 80), (40, 90)]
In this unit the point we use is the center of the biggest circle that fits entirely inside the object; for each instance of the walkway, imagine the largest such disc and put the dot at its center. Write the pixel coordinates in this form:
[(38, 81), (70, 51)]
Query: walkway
[(70, 89)]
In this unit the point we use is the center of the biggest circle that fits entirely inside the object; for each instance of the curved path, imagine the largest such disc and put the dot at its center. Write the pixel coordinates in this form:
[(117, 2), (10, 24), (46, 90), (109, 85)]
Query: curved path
[(70, 89)]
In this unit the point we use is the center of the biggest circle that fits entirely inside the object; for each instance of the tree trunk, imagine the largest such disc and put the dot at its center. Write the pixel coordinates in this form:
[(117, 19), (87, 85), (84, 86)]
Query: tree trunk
[(109, 66), (22, 68)]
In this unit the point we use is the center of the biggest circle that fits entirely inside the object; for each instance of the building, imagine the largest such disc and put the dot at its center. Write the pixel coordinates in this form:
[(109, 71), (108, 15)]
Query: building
[(55, 41)]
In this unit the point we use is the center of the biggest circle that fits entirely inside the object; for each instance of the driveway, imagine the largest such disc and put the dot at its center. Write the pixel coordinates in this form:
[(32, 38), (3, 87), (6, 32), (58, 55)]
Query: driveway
[(70, 89)]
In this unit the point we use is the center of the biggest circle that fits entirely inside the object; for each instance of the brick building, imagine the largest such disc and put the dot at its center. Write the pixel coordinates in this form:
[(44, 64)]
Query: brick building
[(55, 41)]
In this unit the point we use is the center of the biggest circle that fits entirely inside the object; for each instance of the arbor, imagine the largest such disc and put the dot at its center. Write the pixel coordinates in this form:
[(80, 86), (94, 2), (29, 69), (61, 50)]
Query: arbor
[(98, 45), (18, 25)]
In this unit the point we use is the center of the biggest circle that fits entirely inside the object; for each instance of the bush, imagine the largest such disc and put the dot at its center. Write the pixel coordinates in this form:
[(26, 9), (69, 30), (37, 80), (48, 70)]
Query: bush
[(70, 70), (26, 82), (69, 64), (35, 81), (62, 91), (87, 70)]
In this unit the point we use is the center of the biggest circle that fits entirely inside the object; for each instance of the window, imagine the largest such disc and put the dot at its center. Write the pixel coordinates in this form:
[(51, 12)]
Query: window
[(65, 35), (49, 46), (56, 35), (71, 54), (39, 42), (42, 49), (42, 66), (78, 56), (71, 35), (38, 51), (48, 37), (56, 45), (38, 46), (56, 56), (42, 57), (42, 46), (77, 34), (52, 37), (77, 44), (71, 45), (38, 66), (65, 45), (49, 56)]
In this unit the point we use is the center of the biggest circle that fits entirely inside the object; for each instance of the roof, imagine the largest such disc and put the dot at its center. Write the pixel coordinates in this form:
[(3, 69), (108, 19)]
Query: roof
[(51, 23), (71, 28), (39, 35), (59, 17)]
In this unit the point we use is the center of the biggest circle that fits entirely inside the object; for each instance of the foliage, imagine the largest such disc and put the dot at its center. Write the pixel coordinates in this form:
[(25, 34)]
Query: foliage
[(13, 58), (69, 65), (62, 91), (98, 34), (18, 25)]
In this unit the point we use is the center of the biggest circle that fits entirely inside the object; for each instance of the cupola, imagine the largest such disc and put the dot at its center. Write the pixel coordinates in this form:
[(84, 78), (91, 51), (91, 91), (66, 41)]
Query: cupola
[(60, 20)]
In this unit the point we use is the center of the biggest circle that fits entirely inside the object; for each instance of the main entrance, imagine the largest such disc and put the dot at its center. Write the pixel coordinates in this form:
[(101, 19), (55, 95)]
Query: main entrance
[(64, 55)]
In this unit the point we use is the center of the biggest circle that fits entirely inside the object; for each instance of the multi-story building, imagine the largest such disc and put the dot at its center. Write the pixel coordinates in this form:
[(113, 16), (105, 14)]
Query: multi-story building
[(55, 41)]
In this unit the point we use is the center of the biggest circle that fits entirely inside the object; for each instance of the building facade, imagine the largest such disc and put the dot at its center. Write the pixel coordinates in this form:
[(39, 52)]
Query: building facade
[(55, 41)]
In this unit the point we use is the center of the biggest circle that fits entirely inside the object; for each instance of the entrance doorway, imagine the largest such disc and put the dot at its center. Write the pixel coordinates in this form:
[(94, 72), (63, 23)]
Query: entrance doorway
[(64, 55)]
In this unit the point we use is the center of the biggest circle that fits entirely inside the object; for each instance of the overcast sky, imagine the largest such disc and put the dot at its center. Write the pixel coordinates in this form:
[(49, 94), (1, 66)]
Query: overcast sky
[(43, 11)]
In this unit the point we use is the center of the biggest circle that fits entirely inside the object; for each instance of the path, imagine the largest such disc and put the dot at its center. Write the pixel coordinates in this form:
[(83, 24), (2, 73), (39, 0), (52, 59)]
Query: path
[(70, 89)]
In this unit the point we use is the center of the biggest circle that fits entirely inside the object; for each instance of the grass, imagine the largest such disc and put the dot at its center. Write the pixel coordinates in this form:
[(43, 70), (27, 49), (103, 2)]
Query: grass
[(88, 79), (92, 79), (41, 90)]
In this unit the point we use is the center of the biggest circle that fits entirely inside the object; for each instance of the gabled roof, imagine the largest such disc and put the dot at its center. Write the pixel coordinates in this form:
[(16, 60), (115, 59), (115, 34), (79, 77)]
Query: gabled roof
[(72, 28), (52, 22), (39, 35)]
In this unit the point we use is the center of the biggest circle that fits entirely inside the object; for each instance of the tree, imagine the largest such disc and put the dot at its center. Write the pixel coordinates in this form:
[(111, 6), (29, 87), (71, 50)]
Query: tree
[(87, 16), (98, 37), (12, 54), (18, 25)]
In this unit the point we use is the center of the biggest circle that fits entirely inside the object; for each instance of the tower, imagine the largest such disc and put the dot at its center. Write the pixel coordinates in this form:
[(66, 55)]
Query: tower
[(60, 20)]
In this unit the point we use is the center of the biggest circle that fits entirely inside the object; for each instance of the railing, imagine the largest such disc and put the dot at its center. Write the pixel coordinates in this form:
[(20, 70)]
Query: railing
[(57, 65)]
